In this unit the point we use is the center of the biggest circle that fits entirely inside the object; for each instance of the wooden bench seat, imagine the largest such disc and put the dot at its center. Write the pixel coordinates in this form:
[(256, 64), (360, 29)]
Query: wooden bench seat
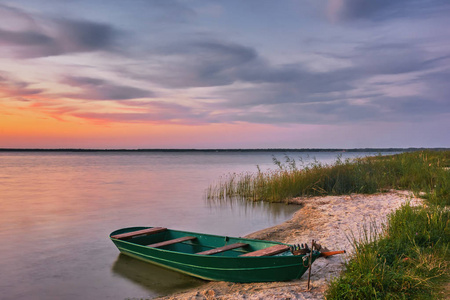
[(174, 241), (139, 232), (222, 249), (273, 250)]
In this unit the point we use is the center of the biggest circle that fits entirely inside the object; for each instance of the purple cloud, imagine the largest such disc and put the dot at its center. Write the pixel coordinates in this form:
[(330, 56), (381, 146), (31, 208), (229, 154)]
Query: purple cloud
[(99, 89), (40, 36), (200, 63), (154, 111), (14, 87), (350, 10)]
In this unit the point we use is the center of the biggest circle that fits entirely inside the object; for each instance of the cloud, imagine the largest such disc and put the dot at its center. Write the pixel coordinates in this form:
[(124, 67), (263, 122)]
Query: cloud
[(345, 10), (44, 36), (418, 107), (391, 58), (149, 112), (15, 18), (249, 88), (82, 36), (10, 87), (290, 93), (436, 85), (340, 111), (172, 11), (24, 38), (201, 63), (351, 10), (212, 63), (99, 89)]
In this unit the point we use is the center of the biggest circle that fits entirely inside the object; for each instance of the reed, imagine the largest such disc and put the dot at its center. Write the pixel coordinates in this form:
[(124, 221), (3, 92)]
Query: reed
[(424, 171)]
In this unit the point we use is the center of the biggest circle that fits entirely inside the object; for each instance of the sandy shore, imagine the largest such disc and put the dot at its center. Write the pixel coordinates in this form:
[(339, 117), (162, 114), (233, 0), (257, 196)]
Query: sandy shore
[(328, 220)]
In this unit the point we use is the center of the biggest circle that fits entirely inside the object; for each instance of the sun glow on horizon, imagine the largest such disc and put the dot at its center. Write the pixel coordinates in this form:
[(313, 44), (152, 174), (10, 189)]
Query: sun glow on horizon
[(22, 126)]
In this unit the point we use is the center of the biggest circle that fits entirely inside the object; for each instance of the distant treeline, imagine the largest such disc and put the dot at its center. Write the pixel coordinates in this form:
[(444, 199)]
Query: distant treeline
[(224, 150)]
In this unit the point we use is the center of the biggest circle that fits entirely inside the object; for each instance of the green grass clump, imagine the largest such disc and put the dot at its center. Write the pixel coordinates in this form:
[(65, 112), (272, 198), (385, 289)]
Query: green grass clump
[(425, 171), (408, 260)]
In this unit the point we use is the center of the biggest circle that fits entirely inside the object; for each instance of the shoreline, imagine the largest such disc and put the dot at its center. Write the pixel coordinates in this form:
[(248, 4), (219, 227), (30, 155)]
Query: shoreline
[(331, 221)]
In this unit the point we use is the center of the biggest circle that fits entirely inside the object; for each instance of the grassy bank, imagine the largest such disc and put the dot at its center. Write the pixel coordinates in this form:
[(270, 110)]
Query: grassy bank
[(409, 259)]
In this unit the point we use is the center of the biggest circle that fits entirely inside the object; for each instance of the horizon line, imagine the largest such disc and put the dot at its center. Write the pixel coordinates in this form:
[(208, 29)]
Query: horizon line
[(363, 149)]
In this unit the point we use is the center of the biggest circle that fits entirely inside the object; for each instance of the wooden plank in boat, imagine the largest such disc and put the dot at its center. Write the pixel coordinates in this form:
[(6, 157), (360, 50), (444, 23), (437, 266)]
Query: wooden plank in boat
[(139, 232), (170, 242), (268, 251), (222, 249)]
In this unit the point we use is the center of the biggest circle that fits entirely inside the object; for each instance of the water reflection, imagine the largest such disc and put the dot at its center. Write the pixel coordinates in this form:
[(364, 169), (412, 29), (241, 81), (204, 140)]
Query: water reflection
[(273, 211), (156, 280)]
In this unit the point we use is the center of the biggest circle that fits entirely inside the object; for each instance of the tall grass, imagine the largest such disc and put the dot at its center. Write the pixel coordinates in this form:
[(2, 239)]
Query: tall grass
[(425, 171)]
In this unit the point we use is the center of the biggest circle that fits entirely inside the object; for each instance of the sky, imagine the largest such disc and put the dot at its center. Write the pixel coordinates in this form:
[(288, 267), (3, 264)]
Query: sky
[(224, 74)]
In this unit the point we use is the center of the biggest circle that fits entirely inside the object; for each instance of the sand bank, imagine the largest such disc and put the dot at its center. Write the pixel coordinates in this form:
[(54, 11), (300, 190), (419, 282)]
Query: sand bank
[(328, 220)]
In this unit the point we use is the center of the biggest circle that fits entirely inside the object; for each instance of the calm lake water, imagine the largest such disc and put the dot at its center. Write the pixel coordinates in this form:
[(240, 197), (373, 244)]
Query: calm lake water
[(58, 208)]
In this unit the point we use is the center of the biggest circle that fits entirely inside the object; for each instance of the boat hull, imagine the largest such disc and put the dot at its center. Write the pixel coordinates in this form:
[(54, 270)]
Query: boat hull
[(222, 267)]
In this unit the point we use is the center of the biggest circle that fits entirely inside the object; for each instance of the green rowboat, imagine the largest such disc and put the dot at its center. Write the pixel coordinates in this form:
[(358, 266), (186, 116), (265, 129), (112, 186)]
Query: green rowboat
[(213, 257)]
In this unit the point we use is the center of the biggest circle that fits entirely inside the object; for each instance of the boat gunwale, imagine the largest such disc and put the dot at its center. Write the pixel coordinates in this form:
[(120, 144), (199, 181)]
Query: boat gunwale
[(134, 254), (210, 256)]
